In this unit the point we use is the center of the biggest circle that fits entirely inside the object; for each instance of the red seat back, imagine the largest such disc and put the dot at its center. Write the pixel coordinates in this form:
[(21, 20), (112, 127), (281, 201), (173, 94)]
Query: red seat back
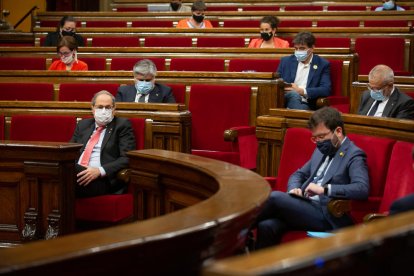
[(49, 23), (257, 65), (197, 64), (132, 9), (178, 90), (220, 42), (42, 128), (385, 23), (295, 23), (336, 76), (152, 23), (338, 23), (333, 42), (303, 8), (127, 64), (22, 63), (347, 8), (116, 41), (106, 24), (168, 41), (1, 127), (138, 125), (241, 23), (84, 92), (223, 8), (26, 91), (261, 8), (95, 63)]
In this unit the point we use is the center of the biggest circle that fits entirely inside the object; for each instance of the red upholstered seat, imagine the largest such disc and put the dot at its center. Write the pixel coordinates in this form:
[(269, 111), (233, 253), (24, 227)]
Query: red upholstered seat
[(1, 127), (303, 8), (22, 63), (295, 23), (197, 64), (216, 108), (152, 23), (106, 24), (241, 23), (116, 41), (95, 63), (178, 90), (347, 8), (222, 8), (127, 64), (258, 65), (338, 23), (337, 100), (385, 23), (26, 91), (84, 92), (49, 23), (371, 51), (132, 9), (169, 41), (220, 42), (42, 128), (261, 8), (333, 42)]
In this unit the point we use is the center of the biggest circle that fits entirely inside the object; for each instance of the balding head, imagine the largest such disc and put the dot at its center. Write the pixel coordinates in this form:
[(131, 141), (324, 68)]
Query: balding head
[(381, 77)]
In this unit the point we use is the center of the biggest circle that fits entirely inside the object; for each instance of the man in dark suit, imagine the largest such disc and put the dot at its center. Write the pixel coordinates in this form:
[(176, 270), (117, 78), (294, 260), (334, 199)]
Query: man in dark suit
[(145, 89), (383, 99), (106, 140), (337, 169), (307, 74)]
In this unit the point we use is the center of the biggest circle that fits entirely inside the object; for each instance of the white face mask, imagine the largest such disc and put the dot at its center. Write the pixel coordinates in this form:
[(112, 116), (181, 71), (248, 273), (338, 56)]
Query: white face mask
[(103, 116), (69, 59)]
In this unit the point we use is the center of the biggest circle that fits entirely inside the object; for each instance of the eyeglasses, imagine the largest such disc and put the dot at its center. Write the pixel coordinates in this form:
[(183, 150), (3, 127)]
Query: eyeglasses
[(148, 80), (107, 107), (319, 137), (370, 87), (65, 54)]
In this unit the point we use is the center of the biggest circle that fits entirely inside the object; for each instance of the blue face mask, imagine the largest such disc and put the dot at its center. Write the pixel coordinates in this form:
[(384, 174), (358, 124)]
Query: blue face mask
[(143, 87), (377, 95), (301, 55), (388, 5)]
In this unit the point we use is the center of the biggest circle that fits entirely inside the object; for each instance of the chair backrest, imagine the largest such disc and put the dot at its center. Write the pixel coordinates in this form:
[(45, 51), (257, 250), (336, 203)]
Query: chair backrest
[(338, 23), (333, 42), (295, 23), (164, 41), (197, 64), (346, 8), (106, 24), (42, 128), (49, 23), (26, 91), (257, 65), (261, 8), (215, 108), (241, 23), (127, 64), (95, 63), (223, 8), (385, 23), (336, 76), (152, 23), (296, 151), (84, 92), (303, 8), (400, 176), (132, 9), (1, 127), (178, 90), (220, 42), (116, 41), (22, 63), (138, 125)]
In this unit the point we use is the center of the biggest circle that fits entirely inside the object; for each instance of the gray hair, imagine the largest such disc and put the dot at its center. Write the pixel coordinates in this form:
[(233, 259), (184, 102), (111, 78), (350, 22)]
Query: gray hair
[(103, 92), (145, 67), (383, 72)]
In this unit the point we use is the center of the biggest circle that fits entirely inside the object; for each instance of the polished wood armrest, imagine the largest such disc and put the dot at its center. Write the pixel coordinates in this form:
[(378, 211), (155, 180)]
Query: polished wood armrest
[(232, 134), (338, 207), (374, 216), (124, 175), (322, 101)]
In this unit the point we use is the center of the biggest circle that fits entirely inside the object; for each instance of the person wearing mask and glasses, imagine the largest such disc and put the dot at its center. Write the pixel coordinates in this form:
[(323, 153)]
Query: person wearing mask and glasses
[(68, 57), (106, 140), (177, 5), (145, 89), (389, 5), (66, 27), (197, 19), (268, 39), (383, 99)]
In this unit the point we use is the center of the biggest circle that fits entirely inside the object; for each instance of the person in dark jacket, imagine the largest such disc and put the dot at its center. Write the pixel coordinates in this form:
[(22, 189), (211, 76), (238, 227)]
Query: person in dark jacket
[(66, 27)]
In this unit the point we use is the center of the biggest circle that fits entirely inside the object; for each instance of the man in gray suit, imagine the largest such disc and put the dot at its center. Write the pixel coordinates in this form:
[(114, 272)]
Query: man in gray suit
[(337, 169), (145, 89), (383, 99)]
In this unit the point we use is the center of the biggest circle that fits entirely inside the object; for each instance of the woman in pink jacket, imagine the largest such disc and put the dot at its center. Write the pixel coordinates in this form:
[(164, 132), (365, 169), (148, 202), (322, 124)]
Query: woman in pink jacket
[(268, 28)]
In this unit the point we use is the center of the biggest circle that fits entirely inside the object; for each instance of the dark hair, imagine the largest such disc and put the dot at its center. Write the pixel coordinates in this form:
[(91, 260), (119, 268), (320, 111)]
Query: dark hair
[(329, 116), (304, 38), (68, 41), (63, 20), (273, 21), (198, 5)]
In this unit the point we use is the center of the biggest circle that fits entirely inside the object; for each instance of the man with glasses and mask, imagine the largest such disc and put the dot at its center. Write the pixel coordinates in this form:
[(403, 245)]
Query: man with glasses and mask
[(145, 89), (307, 74), (383, 99), (337, 169), (106, 140), (177, 5), (197, 19)]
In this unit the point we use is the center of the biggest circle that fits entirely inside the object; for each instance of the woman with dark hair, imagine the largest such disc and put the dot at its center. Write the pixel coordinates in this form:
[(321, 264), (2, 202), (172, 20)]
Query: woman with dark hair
[(268, 39), (66, 27), (68, 60)]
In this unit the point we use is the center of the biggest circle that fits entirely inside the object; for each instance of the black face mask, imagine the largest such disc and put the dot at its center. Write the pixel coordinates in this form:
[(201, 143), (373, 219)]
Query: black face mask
[(266, 36), (198, 18), (66, 33), (327, 147), (175, 6)]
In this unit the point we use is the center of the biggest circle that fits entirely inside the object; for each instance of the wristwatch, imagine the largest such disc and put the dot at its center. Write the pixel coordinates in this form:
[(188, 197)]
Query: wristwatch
[(325, 190)]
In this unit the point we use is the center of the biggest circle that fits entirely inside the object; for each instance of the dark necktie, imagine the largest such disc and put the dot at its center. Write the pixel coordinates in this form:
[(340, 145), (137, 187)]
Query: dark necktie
[(374, 108), (141, 98)]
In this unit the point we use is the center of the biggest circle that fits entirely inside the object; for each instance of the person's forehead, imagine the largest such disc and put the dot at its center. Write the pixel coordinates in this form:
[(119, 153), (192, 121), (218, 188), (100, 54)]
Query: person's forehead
[(301, 46), (64, 49), (320, 128), (141, 76), (265, 26), (69, 24), (103, 99)]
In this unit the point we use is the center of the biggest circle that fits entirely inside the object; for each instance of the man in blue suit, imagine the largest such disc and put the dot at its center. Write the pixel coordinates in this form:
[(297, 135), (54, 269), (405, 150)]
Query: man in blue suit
[(337, 169), (307, 75)]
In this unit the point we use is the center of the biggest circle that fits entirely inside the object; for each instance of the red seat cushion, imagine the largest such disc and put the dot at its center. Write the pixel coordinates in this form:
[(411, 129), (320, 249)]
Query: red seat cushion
[(95, 63), (22, 63), (241, 23), (168, 41), (197, 64), (338, 23), (127, 64), (295, 23), (107, 24), (84, 91), (347, 8), (116, 41), (152, 23), (26, 91), (220, 42), (386, 23)]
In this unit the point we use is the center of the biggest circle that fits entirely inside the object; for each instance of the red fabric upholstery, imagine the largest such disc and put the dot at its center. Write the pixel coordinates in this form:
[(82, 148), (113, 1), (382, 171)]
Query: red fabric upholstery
[(132, 9), (118, 41), (152, 23), (197, 64), (336, 99), (338, 23), (295, 23), (178, 90), (241, 23), (222, 8), (258, 65), (303, 8), (164, 41), (106, 24), (22, 63), (127, 64), (220, 42), (400, 175), (42, 128), (371, 52), (214, 109), (95, 63), (49, 23), (26, 91), (385, 23), (84, 92), (347, 8), (138, 125), (333, 42), (2, 127), (261, 8)]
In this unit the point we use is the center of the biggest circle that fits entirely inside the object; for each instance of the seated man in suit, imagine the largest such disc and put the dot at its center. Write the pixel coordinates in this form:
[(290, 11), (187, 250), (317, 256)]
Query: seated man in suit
[(106, 140), (337, 169), (307, 74), (145, 89), (383, 99)]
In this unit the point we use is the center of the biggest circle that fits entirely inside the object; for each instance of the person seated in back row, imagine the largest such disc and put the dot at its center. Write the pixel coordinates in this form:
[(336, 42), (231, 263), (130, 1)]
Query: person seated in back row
[(197, 19), (145, 90), (307, 75), (67, 51), (177, 5), (389, 5), (66, 27), (268, 29), (383, 99)]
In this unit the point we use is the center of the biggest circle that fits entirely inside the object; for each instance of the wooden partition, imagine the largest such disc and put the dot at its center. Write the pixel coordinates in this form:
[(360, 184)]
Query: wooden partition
[(193, 209), (270, 132), (36, 190)]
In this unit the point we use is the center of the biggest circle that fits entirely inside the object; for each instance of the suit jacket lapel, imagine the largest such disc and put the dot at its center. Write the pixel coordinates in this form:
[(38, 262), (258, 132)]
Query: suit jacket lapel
[(294, 69), (392, 101), (108, 132), (368, 105), (312, 70), (336, 161), (88, 133)]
